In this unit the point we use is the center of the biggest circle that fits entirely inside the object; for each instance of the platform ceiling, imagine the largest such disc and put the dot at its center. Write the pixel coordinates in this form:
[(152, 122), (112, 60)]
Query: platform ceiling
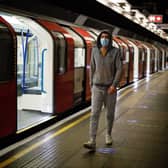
[(148, 7), (89, 8), (152, 7)]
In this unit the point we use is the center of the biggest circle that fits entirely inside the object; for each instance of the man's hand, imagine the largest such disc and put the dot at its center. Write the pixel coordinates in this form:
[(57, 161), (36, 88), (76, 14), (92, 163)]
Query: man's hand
[(111, 90)]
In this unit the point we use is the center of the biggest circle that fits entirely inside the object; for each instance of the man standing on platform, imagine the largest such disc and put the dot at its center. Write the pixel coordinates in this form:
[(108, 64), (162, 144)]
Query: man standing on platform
[(105, 74)]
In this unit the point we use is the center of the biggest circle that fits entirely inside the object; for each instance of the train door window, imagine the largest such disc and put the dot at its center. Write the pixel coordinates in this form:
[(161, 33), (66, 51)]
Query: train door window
[(60, 46), (122, 52), (143, 53), (79, 57), (127, 55), (140, 54), (5, 54)]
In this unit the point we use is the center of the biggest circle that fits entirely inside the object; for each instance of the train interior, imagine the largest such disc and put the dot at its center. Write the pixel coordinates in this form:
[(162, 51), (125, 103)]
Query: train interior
[(34, 87)]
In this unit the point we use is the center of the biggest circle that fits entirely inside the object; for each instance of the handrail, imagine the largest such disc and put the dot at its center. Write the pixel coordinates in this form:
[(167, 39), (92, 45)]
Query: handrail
[(42, 71), (24, 57)]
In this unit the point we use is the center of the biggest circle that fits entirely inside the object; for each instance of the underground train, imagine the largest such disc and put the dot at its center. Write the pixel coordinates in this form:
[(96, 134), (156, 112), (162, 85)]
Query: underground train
[(45, 68)]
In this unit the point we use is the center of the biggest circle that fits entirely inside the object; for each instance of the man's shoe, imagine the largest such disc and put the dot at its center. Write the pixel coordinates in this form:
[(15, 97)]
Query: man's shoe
[(90, 145), (109, 140)]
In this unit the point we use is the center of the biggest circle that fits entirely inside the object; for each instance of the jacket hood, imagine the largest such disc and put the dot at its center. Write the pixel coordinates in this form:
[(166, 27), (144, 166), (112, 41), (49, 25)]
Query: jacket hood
[(110, 40)]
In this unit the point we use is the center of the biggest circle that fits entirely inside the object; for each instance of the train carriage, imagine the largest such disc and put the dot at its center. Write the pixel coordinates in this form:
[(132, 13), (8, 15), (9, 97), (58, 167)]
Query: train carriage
[(45, 67)]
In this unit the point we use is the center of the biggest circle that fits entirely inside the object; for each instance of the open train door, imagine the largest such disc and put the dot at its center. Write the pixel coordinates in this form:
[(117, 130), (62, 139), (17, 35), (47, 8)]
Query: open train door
[(34, 72), (7, 79)]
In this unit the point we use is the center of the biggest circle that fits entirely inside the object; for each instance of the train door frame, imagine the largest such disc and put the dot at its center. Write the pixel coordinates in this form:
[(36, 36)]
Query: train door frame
[(8, 86), (44, 100), (63, 80)]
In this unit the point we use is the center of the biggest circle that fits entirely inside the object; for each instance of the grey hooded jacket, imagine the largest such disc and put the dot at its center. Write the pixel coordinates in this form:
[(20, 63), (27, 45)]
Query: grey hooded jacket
[(105, 70)]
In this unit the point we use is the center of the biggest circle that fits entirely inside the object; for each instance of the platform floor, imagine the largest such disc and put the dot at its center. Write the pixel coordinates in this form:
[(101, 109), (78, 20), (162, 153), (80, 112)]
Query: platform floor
[(140, 135)]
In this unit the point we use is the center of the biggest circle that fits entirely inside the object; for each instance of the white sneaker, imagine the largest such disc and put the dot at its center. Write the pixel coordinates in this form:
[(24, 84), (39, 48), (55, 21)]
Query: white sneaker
[(109, 140), (90, 145)]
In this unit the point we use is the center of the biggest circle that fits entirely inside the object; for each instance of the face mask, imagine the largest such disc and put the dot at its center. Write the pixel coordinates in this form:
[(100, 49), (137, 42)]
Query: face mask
[(104, 42)]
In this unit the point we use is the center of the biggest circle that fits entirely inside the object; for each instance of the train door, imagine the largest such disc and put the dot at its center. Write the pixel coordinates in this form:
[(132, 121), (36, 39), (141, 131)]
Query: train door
[(148, 71), (7, 79), (163, 59), (130, 58), (89, 42), (79, 66), (63, 62), (144, 58), (160, 58), (156, 58), (140, 59), (153, 59), (135, 61), (125, 59), (34, 72)]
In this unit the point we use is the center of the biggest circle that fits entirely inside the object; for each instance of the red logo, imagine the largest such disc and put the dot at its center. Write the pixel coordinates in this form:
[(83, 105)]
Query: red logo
[(155, 18)]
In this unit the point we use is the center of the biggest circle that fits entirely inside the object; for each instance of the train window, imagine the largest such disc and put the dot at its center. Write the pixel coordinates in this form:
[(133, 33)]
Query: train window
[(60, 52), (132, 53), (6, 54), (143, 56), (127, 56), (79, 57), (122, 52), (79, 51)]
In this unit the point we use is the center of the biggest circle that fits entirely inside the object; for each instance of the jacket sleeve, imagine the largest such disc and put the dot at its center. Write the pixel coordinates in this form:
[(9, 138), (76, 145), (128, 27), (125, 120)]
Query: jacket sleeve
[(92, 67), (118, 69)]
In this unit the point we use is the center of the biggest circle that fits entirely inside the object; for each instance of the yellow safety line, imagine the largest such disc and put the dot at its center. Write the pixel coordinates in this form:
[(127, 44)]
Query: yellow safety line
[(29, 149)]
